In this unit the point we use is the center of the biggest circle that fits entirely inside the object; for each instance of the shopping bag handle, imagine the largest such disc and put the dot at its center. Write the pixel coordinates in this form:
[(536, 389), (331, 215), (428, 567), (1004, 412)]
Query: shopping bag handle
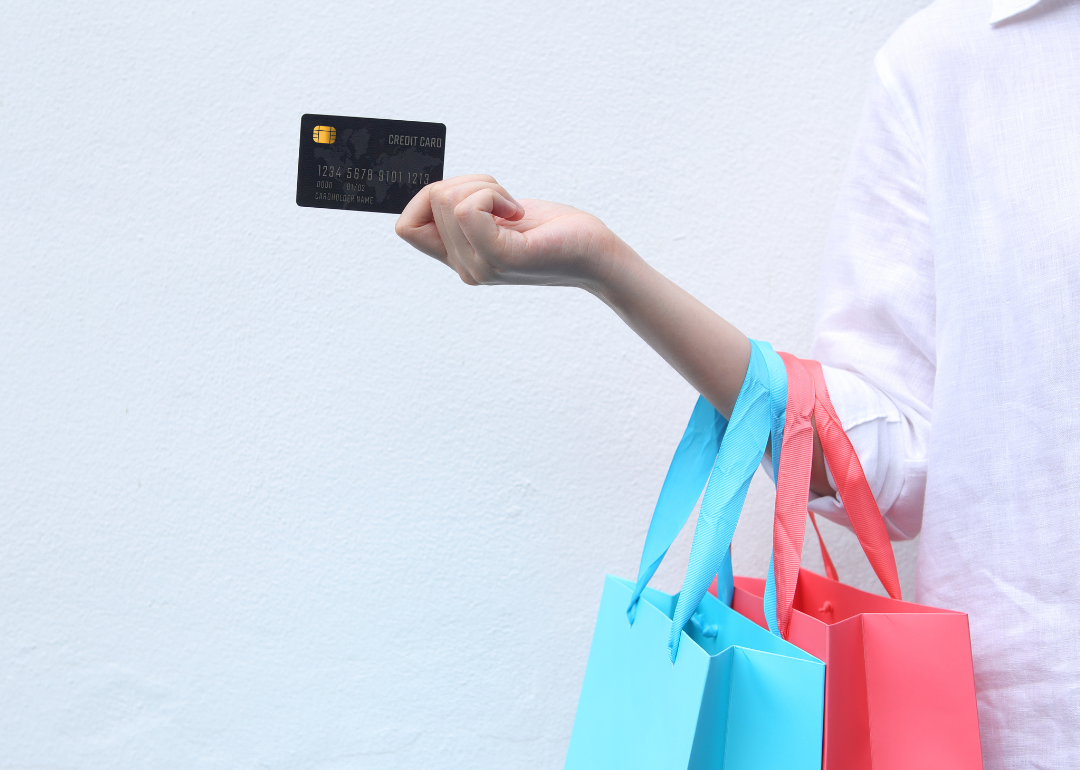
[(741, 449), (826, 560), (854, 491), (807, 392), (792, 497), (687, 476)]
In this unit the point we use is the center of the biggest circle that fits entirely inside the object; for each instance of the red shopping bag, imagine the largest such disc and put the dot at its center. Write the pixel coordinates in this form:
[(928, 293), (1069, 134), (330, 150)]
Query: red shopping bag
[(899, 684)]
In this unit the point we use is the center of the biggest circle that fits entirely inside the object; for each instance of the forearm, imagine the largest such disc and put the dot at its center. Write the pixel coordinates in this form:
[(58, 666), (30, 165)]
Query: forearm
[(710, 353)]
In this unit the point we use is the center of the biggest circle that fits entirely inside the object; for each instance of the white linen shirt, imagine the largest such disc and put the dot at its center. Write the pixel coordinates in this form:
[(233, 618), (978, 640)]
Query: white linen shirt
[(950, 297)]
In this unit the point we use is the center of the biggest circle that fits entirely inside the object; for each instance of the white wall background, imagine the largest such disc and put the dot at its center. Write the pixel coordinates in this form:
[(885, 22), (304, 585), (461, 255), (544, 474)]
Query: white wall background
[(276, 492)]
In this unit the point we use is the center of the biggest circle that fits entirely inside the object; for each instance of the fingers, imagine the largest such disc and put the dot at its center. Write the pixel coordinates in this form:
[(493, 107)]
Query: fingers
[(429, 225), (444, 198), (489, 243), (416, 226), (444, 202)]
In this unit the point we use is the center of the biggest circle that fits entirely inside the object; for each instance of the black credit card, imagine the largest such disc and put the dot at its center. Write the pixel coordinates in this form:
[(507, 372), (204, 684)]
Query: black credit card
[(366, 164)]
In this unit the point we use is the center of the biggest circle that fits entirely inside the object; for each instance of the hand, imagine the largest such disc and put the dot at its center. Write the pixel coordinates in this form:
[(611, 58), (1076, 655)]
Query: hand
[(474, 226)]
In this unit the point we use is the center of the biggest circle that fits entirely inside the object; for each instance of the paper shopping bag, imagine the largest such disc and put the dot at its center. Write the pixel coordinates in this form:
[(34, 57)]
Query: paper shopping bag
[(736, 697), (683, 681), (899, 685)]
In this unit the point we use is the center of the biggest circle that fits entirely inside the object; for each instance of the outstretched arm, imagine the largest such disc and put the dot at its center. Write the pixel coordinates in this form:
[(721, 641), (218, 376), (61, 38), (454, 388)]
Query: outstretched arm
[(474, 226)]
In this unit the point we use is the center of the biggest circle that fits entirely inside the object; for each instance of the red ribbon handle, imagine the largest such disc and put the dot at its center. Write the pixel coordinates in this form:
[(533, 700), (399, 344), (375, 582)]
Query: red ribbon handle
[(792, 487), (830, 568), (847, 472), (808, 394)]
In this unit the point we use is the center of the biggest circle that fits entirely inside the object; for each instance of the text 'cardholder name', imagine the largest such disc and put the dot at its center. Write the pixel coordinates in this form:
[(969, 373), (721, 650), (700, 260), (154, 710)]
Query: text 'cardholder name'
[(366, 164)]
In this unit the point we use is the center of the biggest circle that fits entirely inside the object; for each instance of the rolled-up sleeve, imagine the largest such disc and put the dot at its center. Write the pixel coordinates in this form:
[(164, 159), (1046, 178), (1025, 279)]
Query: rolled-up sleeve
[(876, 312)]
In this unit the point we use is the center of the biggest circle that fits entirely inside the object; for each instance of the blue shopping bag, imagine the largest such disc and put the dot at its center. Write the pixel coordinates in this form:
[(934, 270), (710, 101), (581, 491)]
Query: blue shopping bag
[(684, 681)]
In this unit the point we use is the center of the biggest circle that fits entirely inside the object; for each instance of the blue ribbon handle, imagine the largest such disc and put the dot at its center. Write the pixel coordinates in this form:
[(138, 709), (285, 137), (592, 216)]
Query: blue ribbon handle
[(686, 477), (778, 408), (700, 454), (753, 422)]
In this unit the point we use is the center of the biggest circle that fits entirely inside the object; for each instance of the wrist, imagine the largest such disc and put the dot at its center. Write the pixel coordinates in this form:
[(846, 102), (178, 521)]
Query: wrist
[(615, 272)]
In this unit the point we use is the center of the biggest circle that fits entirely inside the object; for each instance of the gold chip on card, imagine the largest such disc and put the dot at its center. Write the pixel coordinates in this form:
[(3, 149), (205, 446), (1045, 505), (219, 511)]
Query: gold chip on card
[(325, 134)]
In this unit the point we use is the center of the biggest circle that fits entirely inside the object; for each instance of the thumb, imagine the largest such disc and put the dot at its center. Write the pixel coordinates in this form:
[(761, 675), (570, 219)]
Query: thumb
[(476, 217)]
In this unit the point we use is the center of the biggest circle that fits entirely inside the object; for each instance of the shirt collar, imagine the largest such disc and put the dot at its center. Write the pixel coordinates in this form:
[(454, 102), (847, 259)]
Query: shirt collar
[(1006, 9)]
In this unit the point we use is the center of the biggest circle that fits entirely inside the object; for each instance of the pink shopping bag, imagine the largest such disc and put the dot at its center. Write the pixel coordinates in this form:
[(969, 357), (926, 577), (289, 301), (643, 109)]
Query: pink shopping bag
[(899, 683)]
